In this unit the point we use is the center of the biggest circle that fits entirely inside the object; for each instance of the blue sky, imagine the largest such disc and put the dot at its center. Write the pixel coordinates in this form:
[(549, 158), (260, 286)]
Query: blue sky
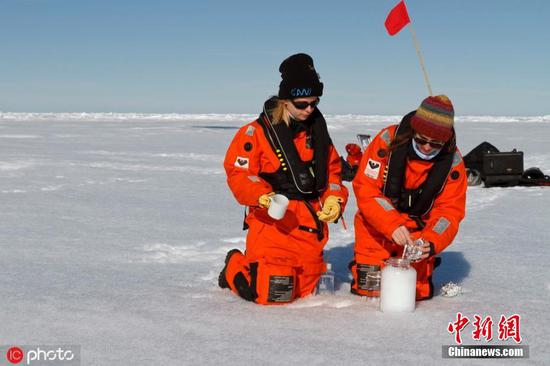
[(491, 57)]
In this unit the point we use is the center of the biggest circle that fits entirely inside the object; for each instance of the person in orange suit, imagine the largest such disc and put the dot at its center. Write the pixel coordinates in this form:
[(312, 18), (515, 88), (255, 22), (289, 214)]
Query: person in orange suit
[(287, 151), (411, 184)]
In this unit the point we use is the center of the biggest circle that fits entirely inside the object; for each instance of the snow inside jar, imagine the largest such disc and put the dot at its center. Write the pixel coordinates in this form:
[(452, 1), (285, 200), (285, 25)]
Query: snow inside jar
[(398, 286)]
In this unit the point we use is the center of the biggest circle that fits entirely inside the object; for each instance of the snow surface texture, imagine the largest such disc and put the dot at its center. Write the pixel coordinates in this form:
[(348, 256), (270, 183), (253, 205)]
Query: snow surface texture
[(115, 227)]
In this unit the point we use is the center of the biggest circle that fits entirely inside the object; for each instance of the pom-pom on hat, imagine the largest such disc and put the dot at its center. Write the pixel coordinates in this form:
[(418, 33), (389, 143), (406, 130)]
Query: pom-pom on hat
[(300, 79), (434, 118)]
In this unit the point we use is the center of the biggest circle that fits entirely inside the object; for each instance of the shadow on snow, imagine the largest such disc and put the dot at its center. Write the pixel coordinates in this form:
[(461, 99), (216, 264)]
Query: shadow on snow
[(454, 267)]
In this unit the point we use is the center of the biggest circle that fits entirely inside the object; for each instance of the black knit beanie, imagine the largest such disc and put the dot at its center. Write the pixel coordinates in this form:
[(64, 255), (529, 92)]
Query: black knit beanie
[(299, 78)]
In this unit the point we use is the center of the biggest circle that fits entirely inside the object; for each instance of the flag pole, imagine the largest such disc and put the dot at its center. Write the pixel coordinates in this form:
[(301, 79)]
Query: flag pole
[(417, 46)]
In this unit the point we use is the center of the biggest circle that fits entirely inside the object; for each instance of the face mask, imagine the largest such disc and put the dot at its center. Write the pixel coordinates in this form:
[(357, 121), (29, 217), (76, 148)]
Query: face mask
[(423, 156)]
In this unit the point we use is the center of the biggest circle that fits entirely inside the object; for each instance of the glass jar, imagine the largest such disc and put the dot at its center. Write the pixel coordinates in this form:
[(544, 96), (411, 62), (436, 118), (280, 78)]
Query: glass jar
[(398, 286), (325, 286)]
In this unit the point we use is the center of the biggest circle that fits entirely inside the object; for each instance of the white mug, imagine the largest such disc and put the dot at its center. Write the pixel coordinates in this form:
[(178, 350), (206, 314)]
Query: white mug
[(278, 206)]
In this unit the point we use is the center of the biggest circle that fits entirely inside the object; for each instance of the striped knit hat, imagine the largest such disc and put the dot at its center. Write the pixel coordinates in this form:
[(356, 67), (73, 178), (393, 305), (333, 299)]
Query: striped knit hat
[(434, 118)]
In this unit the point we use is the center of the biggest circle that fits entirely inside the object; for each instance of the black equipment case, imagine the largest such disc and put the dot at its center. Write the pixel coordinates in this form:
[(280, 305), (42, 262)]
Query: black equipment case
[(502, 169)]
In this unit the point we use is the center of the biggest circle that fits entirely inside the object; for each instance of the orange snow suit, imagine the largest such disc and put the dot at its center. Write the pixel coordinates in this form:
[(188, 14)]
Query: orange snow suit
[(284, 258), (378, 217)]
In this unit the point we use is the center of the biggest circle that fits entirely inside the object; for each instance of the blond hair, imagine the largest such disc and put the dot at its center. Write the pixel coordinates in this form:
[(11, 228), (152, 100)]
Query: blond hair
[(280, 113)]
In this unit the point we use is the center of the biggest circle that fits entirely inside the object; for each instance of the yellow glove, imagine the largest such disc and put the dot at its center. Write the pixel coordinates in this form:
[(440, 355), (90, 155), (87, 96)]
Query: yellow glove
[(265, 200), (331, 209)]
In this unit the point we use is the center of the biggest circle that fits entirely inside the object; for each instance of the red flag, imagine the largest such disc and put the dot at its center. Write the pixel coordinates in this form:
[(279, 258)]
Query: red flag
[(397, 19)]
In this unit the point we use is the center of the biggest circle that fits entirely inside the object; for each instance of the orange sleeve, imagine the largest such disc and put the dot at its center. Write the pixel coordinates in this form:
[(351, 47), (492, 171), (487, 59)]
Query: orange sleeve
[(243, 164), (334, 184), (449, 208), (375, 208)]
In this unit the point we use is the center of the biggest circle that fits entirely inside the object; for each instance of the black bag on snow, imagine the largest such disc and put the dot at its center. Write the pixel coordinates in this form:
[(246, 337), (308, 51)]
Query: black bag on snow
[(474, 159)]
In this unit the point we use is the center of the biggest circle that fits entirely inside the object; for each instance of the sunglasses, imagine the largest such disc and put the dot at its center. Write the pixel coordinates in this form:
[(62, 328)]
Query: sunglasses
[(434, 144), (304, 105)]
